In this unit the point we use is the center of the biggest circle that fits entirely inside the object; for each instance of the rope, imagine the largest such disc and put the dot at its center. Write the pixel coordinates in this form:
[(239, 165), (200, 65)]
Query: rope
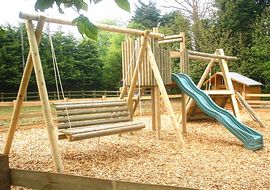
[(55, 66), (57, 75), (22, 46)]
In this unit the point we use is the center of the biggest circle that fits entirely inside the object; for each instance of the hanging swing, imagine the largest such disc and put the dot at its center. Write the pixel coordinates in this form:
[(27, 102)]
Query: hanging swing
[(88, 119)]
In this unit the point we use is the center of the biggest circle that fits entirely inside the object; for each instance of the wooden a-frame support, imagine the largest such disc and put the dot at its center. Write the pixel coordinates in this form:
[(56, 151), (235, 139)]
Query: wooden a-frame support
[(33, 61), (145, 44), (227, 80)]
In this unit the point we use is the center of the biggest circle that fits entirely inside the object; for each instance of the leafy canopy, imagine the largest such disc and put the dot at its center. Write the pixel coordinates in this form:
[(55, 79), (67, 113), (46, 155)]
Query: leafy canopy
[(85, 27)]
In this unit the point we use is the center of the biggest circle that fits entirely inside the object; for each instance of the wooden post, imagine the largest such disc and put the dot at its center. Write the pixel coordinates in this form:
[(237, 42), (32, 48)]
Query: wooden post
[(251, 112), (123, 91), (164, 94), (44, 96), (157, 112), (153, 108), (200, 83), (244, 92), (183, 66), (155, 104), (2, 96), (228, 84), (22, 91), (4, 173), (135, 75)]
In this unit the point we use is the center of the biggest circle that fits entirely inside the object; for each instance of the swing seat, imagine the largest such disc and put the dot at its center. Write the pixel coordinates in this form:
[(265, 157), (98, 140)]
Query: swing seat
[(89, 119)]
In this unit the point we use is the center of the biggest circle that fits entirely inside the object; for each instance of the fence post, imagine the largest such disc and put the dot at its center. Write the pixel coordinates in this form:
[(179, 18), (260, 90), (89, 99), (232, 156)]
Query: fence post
[(2, 96), (83, 94), (4, 173)]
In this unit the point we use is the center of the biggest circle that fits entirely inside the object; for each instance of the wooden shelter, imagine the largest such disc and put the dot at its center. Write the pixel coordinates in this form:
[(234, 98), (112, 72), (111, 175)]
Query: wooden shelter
[(241, 84)]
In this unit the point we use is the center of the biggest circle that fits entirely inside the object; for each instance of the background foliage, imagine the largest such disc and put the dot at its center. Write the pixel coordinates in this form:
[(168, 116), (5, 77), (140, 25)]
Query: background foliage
[(241, 28)]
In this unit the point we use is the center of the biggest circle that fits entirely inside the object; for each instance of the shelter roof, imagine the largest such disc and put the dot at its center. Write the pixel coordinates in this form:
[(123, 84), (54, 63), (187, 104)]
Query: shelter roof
[(239, 78)]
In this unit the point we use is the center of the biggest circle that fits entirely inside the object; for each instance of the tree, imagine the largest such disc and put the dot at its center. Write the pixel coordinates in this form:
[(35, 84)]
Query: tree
[(111, 55), (79, 62), (10, 58), (196, 11), (146, 16), (257, 62)]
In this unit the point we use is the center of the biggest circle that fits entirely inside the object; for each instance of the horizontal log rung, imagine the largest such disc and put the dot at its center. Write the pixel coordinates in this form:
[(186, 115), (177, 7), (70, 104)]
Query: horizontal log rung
[(92, 117), (87, 102), (93, 122), (92, 105), (212, 55), (91, 111), (107, 132), (93, 128)]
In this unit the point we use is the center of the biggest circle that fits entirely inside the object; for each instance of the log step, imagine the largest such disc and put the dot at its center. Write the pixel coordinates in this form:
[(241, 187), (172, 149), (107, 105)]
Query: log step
[(75, 134), (89, 105)]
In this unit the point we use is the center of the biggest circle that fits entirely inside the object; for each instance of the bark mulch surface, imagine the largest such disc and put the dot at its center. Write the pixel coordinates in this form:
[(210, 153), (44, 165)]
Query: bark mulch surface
[(211, 159)]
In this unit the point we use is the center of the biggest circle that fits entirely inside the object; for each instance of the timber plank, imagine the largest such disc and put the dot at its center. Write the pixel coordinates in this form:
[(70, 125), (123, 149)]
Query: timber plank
[(54, 181)]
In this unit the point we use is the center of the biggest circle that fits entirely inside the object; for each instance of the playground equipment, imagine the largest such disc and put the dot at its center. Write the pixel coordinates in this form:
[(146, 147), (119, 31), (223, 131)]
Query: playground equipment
[(252, 139), (150, 75), (34, 61)]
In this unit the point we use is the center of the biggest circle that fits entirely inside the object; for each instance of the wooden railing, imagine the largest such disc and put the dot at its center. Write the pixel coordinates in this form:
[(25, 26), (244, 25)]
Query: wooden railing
[(31, 96), (54, 181), (259, 101)]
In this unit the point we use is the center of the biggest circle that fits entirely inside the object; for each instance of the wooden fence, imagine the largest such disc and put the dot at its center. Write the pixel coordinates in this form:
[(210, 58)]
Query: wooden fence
[(54, 181), (262, 102), (31, 96)]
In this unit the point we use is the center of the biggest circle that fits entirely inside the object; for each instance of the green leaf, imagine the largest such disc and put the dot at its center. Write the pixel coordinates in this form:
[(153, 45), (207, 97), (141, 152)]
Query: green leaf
[(123, 4), (84, 6), (91, 31), (86, 28), (80, 4), (42, 5)]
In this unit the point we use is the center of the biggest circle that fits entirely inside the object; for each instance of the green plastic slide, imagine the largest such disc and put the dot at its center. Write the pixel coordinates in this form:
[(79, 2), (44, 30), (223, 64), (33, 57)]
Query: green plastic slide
[(252, 139)]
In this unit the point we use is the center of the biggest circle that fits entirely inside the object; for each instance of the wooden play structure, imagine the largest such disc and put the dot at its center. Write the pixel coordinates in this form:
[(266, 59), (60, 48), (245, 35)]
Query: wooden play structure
[(70, 120), (221, 96), (130, 49), (145, 64), (241, 84)]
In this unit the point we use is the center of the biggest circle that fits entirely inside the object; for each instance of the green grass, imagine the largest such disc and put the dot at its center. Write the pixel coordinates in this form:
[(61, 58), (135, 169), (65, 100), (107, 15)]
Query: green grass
[(6, 112)]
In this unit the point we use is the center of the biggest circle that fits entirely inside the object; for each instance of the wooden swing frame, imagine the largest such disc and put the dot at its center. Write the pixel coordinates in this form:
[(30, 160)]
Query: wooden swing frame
[(33, 61)]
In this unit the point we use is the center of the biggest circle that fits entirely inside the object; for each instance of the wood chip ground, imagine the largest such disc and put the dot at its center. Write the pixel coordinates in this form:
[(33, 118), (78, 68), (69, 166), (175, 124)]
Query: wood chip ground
[(212, 158)]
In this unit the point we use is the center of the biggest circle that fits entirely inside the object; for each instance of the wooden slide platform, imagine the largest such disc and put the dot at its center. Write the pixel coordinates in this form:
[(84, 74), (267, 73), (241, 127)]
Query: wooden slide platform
[(220, 97)]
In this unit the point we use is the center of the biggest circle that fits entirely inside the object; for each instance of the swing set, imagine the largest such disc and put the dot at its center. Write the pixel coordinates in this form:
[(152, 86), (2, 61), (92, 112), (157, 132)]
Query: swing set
[(89, 119), (85, 119)]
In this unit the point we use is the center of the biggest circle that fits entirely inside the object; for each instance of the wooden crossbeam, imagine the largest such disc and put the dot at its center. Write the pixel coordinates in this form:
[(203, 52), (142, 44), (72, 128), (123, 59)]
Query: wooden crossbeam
[(104, 27)]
